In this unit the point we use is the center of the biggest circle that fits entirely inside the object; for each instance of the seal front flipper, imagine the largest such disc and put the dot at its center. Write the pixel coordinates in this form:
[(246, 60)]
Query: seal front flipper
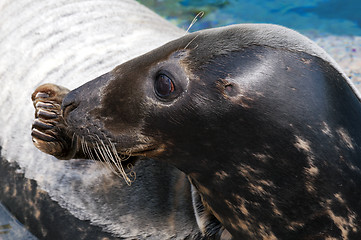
[(49, 131)]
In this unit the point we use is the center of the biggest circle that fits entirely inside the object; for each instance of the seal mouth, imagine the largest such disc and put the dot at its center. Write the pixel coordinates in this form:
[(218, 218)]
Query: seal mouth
[(148, 151)]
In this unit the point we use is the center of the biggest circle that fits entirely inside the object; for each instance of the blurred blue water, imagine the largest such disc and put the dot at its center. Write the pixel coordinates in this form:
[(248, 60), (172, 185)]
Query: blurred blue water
[(333, 17)]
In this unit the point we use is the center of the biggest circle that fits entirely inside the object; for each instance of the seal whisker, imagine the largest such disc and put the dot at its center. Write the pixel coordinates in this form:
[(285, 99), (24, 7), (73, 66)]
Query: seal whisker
[(195, 19), (111, 159), (106, 156), (109, 155), (112, 150), (101, 153), (131, 172), (96, 153), (73, 137), (89, 151), (121, 169), (191, 42), (105, 160), (82, 144), (74, 140)]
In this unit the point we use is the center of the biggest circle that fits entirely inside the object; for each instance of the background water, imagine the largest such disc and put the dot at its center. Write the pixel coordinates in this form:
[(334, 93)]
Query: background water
[(333, 24), (336, 17)]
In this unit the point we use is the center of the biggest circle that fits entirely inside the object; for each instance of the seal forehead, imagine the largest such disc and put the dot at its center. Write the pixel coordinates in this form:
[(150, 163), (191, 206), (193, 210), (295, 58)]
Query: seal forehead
[(270, 35), (274, 36)]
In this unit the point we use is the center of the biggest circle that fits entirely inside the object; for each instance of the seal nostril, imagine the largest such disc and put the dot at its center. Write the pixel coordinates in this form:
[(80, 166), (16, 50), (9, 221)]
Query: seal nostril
[(67, 109), (69, 104)]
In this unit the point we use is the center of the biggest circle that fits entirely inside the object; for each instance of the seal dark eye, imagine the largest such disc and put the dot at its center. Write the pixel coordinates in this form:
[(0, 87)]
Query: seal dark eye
[(164, 86)]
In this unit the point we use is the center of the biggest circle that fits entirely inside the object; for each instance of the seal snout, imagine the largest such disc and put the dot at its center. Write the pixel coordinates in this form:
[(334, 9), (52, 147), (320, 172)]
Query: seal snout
[(48, 122)]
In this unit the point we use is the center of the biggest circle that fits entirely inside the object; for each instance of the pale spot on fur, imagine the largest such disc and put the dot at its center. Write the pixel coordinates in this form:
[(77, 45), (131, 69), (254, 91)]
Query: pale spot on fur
[(345, 137), (256, 184), (339, 198), (241, 204), (303, 145), (326, 129), (242, 225), (257, 189), (236, 223), (243, 209), (275, 209), (295, 225), (222, 174), (262, 157), (37, 213), (311, 171), (204, 190), (310, 187), (248, 172), (229, 204), (266, 233), (345, 224), (306, 61), (266, 183)]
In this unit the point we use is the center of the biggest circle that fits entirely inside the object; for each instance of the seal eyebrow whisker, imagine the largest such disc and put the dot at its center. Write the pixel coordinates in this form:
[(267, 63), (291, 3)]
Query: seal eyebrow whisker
[(195, 19), (190, 43)]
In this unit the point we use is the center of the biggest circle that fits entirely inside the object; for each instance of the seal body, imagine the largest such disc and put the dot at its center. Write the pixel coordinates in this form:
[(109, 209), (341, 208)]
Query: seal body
[(262, 121)]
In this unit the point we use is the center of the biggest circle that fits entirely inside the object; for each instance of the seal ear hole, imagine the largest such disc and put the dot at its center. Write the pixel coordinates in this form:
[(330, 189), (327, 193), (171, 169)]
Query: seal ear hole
[(230, 90)]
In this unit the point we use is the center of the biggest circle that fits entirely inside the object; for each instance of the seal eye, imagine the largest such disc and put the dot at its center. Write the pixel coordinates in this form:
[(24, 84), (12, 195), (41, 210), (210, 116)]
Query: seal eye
[(164, 86)]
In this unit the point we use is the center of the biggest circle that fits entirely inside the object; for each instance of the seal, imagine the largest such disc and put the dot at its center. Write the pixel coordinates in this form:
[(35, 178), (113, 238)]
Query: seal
[(263, 122)]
